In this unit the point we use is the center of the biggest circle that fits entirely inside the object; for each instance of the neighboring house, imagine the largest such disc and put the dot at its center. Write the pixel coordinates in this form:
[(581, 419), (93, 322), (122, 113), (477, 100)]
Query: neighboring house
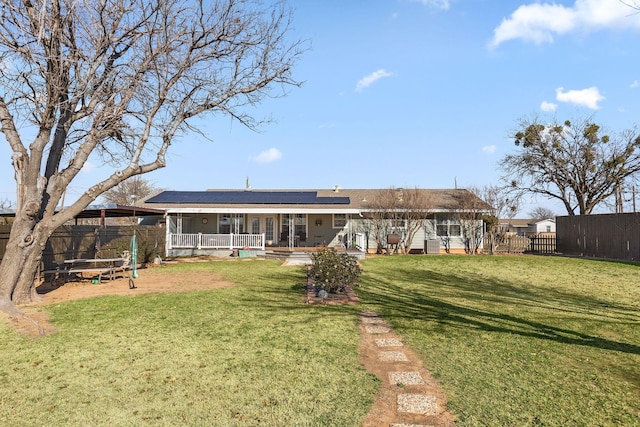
[(526, 227), (219, 221)]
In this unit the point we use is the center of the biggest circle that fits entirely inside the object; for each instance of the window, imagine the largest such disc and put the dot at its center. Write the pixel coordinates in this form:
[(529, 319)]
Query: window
[(398, 224), (548, 229), (447, 227), (230, 223), (299, 224), (255, 225), (224, 224), (339, 220)]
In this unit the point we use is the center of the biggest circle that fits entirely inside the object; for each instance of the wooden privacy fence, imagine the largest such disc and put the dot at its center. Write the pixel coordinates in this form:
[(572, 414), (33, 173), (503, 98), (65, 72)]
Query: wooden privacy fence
[(609, 236), (511, 244), (90, 241)]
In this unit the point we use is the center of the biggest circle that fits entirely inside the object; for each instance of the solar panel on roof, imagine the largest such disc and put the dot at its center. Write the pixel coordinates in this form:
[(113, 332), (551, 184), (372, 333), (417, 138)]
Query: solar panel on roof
[(247, 197)]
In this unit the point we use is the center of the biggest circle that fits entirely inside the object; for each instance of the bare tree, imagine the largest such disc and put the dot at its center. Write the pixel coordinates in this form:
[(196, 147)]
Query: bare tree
[(540, 212), (127, 193), (382, 211), (120, 79), (130, 191), (398, 211), (417, 204), (573, 162), (501, 205), (5, 204), (471, 212)]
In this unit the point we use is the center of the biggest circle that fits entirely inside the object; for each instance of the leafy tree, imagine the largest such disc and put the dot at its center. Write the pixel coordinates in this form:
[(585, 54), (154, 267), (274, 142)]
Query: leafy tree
[(573, 162), (540, 212), (120, 81)]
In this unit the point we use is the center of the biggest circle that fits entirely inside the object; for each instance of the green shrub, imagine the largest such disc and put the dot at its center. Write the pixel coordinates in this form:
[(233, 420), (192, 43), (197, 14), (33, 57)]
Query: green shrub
[(147, 250), (332, 271)]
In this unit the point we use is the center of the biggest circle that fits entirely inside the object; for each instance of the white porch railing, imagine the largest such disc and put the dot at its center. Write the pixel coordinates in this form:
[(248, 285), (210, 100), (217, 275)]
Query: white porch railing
[(360, 241), (216, 241)]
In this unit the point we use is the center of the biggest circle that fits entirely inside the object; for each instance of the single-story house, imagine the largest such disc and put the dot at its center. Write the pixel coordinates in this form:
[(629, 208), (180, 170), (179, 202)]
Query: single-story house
[(526, 227), (220, 221)]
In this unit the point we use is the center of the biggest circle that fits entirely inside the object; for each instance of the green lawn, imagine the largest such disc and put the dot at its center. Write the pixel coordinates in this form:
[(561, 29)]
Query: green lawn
[(519, 341), (249, 355), (514, 341)]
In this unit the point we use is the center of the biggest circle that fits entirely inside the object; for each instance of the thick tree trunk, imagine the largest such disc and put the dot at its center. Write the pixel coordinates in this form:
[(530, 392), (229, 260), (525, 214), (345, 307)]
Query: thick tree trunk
[(20, 264)]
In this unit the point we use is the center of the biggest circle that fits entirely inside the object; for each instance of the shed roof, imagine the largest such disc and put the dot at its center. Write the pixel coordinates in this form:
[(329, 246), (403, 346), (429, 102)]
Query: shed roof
[(110, 210)]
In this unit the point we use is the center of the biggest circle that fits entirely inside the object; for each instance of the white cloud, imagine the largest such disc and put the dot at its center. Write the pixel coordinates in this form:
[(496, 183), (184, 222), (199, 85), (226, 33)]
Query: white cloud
[(88, 167), (268, 156), (586, 97), (438, 4), (548, 106), (372, 78), (635, 84), (540, 22), (489, 149)]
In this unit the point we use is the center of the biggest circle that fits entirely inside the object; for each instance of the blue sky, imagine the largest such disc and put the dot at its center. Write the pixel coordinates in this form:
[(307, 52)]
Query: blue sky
[(415, 93)]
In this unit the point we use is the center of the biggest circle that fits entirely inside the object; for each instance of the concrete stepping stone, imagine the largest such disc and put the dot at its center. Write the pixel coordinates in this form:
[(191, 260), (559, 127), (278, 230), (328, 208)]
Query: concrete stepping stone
[(372, 320), (373, 329), (393, 356), (406, 378), (417, 404), (388, 342)]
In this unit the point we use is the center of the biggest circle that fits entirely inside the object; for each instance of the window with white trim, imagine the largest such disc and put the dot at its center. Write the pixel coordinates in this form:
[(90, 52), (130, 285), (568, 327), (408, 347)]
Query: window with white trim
[(446, 226), (339, 220)]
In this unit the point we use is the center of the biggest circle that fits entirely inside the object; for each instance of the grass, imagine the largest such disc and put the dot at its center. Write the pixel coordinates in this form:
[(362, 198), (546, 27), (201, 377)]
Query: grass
[(248, 355), (519, 341), (514, 341)]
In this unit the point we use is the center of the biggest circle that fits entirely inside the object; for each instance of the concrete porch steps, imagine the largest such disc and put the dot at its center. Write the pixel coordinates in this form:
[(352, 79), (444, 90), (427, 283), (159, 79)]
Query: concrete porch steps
[(299, 257)]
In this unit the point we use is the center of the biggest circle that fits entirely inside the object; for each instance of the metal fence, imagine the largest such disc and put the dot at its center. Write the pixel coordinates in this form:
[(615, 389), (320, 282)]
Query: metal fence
[(89, 241), (609, 236), (542, 244)]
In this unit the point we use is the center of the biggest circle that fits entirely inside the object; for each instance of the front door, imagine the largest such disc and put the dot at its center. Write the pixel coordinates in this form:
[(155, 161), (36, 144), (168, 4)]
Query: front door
[(268, 228)]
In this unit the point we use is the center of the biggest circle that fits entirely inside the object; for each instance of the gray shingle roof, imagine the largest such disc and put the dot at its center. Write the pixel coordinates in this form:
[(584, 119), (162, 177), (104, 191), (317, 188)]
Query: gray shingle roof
[(440, 199)]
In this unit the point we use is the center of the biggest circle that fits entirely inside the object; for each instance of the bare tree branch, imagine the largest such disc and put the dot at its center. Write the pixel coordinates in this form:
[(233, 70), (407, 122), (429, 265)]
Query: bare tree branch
[(121, 79)]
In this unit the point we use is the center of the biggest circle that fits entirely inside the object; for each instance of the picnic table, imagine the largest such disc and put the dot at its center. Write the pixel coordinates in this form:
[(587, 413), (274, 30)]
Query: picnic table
[(96, 267)]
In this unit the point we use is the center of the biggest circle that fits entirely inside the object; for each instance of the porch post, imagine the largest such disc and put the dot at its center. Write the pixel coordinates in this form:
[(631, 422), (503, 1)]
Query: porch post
[(167, 234)]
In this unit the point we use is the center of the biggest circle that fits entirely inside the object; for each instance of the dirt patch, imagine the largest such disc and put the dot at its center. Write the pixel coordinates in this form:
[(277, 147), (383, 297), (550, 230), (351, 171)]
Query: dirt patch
[(35, 321), (147, 282)]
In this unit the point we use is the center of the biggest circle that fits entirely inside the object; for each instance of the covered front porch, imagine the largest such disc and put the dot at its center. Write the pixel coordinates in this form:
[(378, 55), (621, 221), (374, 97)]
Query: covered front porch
[(222, 234)]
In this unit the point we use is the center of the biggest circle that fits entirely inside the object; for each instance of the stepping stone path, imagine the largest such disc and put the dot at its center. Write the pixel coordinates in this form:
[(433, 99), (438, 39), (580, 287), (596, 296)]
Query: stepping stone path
[(409, 396)]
